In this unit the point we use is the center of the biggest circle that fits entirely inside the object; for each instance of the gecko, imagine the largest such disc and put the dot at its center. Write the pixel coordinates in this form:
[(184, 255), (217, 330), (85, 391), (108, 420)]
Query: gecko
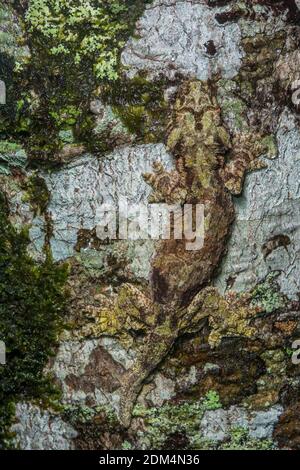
[(210, 167)]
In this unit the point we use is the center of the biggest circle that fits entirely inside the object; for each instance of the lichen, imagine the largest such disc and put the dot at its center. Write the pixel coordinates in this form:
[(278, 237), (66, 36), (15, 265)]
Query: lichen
[(240, 440), (12, 155), (86, 414), (212, 400), (81, 31), (267, 295), (82, 63), (96, 426), (176, 426), (179, 422), (51, 88)]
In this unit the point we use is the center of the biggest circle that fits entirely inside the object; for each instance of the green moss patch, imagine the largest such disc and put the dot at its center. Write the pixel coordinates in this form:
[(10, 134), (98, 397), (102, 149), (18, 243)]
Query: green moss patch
[(140, 105), (32, 309)]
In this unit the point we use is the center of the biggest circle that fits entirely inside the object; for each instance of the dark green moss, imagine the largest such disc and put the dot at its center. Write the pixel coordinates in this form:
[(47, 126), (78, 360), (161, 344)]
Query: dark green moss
[(32, 305), (37, 194), (140, 105)]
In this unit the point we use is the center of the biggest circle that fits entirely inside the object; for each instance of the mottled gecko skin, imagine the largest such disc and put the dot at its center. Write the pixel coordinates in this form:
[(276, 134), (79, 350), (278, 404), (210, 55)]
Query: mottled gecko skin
[(211, 166), (207, 167)]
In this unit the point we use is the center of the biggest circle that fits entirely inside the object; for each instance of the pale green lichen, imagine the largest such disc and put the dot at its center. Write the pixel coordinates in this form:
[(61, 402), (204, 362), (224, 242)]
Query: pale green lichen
[(81, 29), (12, 155), (179, 424), (169, 420), (66, 136), (126, 445), (241, 440), (267, 295), (272, 149), (83, 414)]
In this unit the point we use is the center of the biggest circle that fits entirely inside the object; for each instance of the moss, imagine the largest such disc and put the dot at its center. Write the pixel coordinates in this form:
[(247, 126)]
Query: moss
[(140, 106), (212, 400), (31, 317), (12, 49), (7, 146), (37, 194), (7, 413)]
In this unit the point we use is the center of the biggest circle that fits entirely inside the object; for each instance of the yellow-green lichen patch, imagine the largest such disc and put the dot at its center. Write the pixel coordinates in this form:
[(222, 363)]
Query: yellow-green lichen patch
[(84, 41), (81, 31)]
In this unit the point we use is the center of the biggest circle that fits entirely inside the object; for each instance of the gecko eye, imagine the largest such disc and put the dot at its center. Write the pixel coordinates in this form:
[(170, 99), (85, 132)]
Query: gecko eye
[(210, 48)]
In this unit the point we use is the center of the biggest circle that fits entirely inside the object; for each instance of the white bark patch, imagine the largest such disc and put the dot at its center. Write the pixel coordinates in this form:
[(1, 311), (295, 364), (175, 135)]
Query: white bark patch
[(174, 36)]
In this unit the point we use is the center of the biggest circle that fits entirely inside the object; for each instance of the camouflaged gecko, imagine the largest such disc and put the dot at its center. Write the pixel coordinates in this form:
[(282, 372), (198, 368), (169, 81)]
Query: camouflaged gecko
[(209, 166)]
